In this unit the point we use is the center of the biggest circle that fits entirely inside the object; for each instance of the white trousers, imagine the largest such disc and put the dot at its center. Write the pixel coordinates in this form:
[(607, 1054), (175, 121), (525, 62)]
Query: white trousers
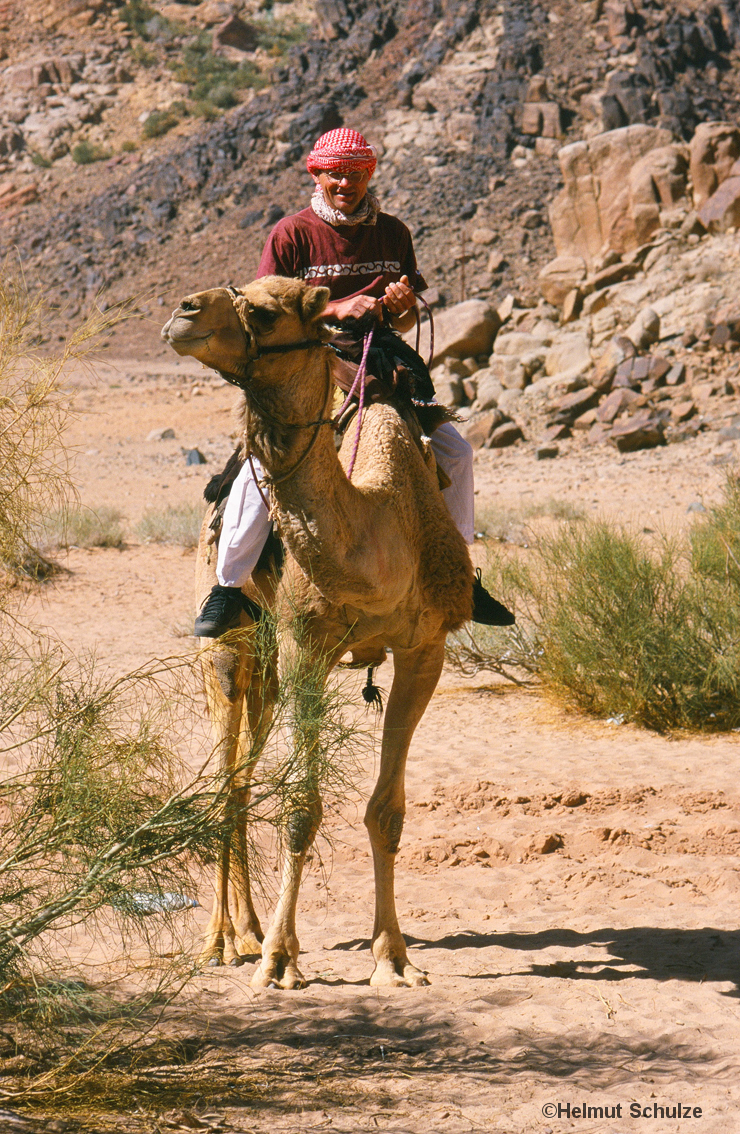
[(246, 523)]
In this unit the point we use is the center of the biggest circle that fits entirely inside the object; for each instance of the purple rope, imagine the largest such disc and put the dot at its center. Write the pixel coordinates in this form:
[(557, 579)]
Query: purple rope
[(359, 378), (431, 330)]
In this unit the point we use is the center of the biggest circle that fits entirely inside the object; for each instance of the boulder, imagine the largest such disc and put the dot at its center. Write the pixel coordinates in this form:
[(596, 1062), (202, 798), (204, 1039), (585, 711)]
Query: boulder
[(644, 329), (489, 390), (570, 353), (618, 350), (504, 435), (466, 329), (542, 118), (713, 150), (595, 208), (722, 210), (516, 343), (479, 428), (573, 405), (617, 402), (560, 277), (235, 32), (508, 371), (642, 431)]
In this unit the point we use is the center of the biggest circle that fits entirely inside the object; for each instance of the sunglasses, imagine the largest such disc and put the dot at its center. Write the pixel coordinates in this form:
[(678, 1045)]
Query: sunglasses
[(354, 176)]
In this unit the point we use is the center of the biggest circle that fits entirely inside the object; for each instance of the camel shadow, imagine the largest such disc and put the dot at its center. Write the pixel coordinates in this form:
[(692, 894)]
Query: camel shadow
[(704, 955)]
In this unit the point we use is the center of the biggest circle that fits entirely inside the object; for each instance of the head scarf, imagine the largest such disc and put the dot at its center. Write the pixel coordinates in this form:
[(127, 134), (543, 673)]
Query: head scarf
[(341, 149)]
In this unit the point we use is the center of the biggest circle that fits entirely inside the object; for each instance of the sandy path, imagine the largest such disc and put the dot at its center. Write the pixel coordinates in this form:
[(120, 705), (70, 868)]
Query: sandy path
[(571, 886)]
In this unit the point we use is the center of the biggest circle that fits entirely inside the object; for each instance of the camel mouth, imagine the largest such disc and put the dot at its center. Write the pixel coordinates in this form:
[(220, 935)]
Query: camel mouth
[(181, 340)]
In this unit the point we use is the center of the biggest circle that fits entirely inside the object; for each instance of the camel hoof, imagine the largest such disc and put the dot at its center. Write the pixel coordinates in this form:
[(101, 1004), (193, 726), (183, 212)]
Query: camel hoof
[(236, 962), (286, 976), (398, 975)]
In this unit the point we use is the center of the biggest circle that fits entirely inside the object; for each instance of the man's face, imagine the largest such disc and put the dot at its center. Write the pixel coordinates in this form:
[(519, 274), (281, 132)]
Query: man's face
[(344, 190)]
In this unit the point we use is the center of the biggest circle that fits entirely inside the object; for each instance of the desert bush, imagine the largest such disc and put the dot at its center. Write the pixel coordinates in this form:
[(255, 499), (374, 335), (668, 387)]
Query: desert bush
[(211, 76), (623, 627), (177, 523), (82, 527), (34, 407), (160, 122), (511, 525), (85, 153)]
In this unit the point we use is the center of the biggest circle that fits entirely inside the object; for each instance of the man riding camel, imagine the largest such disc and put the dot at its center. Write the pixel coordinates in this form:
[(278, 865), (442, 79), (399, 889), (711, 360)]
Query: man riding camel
[(365, 257)]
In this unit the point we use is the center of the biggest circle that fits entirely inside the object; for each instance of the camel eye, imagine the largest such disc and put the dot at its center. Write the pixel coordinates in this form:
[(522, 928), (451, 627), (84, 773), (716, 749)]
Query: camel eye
[(264, 317)]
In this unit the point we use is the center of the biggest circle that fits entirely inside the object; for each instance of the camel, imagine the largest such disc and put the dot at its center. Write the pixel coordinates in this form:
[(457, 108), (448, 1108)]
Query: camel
[(371, 562)]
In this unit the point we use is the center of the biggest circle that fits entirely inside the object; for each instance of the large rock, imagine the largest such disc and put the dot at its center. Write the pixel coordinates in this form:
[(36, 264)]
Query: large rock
[(466, 329), (235, 32), (657, 181), (488, 390), (516, 343), (508, 371), (560, 277), (542, 119), (570, 354), (595, 209), (722, 210), (714, 148)]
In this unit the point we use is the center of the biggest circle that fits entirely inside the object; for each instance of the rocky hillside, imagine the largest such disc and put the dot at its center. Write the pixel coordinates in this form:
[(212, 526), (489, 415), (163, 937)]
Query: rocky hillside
[(557, 165), (147, 147)]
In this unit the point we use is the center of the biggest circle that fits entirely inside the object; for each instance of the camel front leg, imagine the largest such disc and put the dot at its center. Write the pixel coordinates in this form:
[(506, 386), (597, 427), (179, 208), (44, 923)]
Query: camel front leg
[(279, 965), (415, 679), (303, 812)]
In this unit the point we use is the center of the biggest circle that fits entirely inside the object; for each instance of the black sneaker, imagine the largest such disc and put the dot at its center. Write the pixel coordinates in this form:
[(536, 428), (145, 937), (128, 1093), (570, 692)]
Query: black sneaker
[(486, 609), (220, 612)]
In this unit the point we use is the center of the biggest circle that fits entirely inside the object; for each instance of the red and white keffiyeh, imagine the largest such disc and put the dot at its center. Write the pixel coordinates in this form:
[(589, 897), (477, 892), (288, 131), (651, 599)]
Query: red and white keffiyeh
[(341, 149)]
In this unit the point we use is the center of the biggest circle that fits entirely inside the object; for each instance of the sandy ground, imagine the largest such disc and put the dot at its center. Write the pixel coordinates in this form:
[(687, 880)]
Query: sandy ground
[(571, 886)]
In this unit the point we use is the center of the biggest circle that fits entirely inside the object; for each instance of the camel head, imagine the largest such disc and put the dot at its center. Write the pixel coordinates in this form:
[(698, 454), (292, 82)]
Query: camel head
[(225, 328)]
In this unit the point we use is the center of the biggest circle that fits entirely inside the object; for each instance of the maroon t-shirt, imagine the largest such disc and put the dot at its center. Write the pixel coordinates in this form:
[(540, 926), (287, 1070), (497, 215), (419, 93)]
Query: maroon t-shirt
[(348, 259)]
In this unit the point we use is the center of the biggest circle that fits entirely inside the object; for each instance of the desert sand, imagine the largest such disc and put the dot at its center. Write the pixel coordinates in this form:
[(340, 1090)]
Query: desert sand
[(571, 886)]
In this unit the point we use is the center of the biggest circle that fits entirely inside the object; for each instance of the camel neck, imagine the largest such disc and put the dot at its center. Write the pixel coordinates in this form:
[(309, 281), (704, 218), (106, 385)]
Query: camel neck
[(317, 508)]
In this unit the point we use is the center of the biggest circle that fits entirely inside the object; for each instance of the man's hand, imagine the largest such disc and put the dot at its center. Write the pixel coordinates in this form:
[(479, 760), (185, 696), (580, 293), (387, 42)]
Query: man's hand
[(399, 297), (356, 307)]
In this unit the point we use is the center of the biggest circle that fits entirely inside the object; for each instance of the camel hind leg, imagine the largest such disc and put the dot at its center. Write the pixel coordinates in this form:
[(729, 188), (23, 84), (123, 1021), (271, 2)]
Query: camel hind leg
[(416, 673), (240, 698)]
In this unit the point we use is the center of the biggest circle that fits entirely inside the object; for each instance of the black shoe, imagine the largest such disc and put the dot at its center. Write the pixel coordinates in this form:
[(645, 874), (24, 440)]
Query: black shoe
[(486, 609), (220, 612)]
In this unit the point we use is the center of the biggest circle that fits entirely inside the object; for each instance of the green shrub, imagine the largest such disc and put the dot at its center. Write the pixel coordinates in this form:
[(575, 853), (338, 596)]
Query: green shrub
[(622, 626), (205, 109), (148, 23), (142, 55), (510, 525), (178, 523), (223, 96), (83, 527), (41, 161), (159, 122), (212, 78), (278, 36), (84, 153), (128, 147)]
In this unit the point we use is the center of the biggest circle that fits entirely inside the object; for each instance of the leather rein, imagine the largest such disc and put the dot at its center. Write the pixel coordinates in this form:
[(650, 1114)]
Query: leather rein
[(242, 382)]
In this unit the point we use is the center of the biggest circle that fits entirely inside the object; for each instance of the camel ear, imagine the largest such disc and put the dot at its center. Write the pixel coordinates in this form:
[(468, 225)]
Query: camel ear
[(313, 302)]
